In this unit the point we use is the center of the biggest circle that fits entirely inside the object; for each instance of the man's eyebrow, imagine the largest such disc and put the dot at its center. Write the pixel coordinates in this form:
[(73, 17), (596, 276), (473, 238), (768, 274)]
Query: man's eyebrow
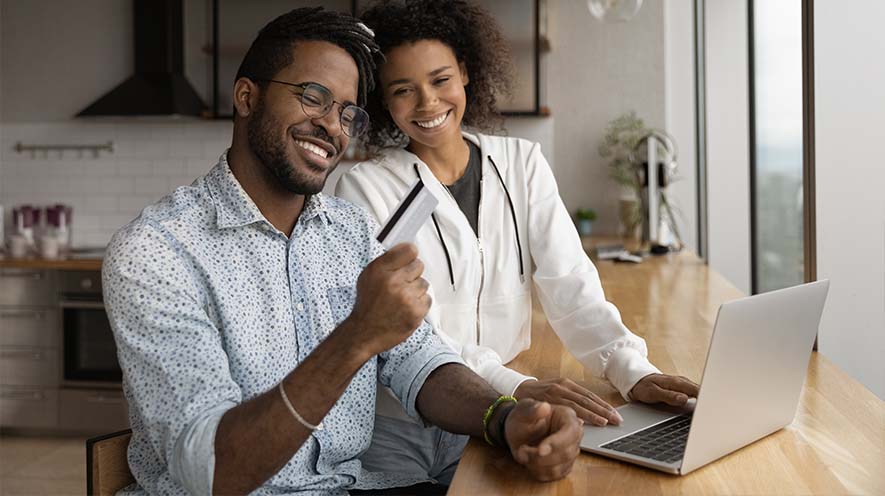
[(431, 74)]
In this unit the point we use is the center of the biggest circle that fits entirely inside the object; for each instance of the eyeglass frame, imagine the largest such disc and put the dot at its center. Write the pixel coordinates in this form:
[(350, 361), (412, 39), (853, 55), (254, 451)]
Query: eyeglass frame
[(303, 86)]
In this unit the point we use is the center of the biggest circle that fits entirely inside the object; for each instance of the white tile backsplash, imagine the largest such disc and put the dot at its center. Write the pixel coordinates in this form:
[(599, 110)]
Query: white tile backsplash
[(149, 161)]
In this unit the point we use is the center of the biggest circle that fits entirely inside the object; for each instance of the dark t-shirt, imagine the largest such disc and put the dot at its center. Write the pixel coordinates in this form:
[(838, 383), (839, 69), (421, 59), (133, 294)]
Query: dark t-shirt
[(466, 188)]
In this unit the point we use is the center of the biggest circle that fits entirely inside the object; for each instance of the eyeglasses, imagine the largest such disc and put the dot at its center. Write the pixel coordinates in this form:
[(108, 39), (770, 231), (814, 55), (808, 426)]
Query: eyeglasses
[(317, 102)]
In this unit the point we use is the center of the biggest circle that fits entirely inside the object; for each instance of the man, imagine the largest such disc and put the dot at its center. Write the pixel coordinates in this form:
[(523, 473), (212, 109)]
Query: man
[(253, 315)]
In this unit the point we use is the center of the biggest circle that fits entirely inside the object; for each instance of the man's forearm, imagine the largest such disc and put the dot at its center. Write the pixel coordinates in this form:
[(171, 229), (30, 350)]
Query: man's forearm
[(257, 438), (454, 398)]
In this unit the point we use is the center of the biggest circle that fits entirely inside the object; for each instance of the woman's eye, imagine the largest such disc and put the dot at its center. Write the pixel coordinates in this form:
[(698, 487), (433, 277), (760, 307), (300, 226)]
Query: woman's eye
[(401, 91), (441, 81)]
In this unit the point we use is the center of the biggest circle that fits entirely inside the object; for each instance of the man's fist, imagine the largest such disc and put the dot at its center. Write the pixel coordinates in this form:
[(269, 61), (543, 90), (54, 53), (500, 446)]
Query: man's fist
[(391, 299), (544, 438)]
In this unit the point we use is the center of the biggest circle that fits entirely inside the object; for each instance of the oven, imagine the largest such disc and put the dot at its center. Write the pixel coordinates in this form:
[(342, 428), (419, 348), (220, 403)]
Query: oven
[(89, 356)]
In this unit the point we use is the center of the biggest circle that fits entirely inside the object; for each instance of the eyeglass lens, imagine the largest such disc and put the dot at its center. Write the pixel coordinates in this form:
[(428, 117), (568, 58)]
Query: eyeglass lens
[(317, 102)]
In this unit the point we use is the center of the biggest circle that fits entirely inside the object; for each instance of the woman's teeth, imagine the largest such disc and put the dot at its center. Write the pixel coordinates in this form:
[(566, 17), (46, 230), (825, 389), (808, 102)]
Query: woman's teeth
[(435, 122), (316, 150)]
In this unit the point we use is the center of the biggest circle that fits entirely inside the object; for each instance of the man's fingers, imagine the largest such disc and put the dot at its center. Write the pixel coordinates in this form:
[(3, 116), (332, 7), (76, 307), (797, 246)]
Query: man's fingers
[(398, 256), (413, 270), (528, 423), (565, 432)]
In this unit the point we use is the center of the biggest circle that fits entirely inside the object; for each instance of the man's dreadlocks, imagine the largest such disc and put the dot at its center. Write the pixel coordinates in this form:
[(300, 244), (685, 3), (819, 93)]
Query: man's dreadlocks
[(272, 49)]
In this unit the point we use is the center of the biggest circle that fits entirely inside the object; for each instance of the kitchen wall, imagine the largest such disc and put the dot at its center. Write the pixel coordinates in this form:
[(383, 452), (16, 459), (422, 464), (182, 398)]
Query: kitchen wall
[(54, 62), (596, 72), (149, 161)]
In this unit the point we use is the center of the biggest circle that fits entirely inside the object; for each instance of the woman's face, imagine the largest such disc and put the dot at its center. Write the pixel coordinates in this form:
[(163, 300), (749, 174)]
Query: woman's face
[(423, 86)]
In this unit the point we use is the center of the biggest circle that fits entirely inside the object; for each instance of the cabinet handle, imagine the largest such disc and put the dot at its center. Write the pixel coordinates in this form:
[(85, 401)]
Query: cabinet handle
[(22, 355), (103, 398), (22, 314), (22, 395), (24, 274)]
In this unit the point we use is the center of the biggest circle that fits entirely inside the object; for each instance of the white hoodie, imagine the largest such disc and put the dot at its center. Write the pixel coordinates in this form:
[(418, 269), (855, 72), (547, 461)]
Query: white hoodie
[(487, 316)]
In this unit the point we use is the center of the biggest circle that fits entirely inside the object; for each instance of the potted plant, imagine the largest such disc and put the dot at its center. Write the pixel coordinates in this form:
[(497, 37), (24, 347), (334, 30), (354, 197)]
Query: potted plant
[(620, 138), (585, 218)]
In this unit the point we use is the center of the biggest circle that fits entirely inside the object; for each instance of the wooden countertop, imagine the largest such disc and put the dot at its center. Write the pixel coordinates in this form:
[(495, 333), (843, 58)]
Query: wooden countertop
[(835, 445), (43, 264)]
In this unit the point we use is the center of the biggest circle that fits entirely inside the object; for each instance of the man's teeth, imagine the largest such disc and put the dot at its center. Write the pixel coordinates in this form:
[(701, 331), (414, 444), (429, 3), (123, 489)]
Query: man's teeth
[(435, 122), (316, 150)]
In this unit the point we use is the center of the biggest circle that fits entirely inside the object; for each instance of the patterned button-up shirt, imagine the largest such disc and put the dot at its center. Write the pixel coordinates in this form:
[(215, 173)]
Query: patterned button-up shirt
[(211, 306)]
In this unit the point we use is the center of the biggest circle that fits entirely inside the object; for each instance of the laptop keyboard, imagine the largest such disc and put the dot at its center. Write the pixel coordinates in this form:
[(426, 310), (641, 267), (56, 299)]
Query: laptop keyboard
[(664, 442)]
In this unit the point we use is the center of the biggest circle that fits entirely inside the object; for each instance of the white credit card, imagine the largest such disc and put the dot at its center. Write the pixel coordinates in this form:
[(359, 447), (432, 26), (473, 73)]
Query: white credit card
[(408, 217)]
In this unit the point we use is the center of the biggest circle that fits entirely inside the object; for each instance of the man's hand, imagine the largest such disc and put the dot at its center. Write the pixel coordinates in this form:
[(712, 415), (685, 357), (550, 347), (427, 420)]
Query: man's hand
[(661, 388), (391, 298), (589, 407), (544, 438)]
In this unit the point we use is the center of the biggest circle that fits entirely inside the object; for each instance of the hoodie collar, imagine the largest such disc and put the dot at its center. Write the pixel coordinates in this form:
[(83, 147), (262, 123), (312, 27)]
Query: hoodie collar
[(400, 161)]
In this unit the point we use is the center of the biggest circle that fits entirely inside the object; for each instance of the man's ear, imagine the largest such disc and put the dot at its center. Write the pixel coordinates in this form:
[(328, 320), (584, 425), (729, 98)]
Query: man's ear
[(465, 78), (245, 96)]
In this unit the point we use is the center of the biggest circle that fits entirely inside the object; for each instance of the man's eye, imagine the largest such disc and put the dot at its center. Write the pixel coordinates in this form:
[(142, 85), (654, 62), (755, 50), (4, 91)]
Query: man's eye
[(311, 100)]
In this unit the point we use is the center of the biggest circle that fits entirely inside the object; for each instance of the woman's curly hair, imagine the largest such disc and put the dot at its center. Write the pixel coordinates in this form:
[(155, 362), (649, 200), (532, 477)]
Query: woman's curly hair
[(474, 37)]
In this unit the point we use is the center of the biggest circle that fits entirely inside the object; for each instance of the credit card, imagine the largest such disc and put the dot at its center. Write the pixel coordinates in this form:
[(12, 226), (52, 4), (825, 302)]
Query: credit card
[(411, 213)]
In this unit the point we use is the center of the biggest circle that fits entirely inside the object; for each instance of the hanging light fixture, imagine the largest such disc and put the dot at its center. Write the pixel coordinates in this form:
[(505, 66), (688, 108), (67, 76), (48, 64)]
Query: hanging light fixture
[(614, 10)]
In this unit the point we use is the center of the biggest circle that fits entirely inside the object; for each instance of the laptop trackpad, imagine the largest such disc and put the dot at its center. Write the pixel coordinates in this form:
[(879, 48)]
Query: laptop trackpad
[(637, 416)]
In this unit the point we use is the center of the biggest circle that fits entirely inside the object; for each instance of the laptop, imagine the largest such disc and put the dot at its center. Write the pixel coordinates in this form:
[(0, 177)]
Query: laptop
[(755, 369)]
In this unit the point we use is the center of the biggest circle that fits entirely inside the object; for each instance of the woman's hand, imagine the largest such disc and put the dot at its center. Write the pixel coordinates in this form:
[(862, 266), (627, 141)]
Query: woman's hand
[(661, 388), (589, 407)]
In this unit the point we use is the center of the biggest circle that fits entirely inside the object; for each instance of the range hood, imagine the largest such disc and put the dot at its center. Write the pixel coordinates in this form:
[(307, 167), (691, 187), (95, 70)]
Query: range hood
[(158, 86)]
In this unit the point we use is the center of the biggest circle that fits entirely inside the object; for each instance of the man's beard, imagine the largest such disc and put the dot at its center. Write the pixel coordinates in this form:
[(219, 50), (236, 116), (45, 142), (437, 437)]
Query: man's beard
[(262, 132)]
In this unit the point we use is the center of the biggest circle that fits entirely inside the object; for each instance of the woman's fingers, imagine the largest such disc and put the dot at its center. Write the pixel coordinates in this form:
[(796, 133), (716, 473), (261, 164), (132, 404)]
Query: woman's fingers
[(586, 401)]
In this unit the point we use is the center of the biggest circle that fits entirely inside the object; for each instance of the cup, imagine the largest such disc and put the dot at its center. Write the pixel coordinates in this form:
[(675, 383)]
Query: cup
[(18, 246), (49, 247)]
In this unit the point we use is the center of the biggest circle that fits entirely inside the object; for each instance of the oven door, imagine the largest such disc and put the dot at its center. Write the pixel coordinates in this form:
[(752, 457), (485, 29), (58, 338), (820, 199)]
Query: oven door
[(90, 354)]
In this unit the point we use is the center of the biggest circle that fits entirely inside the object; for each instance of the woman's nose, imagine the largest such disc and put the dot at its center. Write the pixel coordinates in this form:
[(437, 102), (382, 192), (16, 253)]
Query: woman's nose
[(427, 98)]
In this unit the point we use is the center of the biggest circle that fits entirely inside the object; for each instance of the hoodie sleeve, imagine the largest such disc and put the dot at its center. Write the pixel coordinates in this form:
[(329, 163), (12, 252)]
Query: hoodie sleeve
[(362, 189), (570, 290)]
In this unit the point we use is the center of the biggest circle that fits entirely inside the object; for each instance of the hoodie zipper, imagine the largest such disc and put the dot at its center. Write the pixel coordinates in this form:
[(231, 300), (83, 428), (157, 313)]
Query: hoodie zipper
[(482, 271)]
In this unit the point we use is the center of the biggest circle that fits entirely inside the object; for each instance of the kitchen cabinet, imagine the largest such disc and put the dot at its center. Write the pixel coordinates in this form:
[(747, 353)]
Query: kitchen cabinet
[(29, 344), (35, 392)]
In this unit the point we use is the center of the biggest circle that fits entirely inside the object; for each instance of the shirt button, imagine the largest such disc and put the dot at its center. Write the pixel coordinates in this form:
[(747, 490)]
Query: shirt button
[(300, 307)]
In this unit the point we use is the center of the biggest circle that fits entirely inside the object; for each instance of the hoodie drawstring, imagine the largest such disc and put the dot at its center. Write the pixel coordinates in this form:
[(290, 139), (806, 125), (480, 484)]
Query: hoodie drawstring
[(512, 216)]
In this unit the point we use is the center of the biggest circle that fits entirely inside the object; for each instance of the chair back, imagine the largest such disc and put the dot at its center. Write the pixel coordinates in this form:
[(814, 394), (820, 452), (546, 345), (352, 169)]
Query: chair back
[(107, 468)]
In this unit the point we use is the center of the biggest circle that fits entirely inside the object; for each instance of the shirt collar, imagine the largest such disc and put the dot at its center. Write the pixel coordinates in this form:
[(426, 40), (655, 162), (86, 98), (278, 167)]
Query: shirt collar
[(235, 208)]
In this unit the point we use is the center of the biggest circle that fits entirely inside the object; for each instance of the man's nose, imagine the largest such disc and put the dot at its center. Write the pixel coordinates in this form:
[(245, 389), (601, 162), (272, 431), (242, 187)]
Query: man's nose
[(331, 122)]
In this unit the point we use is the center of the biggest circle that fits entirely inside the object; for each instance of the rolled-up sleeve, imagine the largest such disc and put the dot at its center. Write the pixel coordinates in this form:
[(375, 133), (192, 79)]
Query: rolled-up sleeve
[(405, 367), (176, 374)]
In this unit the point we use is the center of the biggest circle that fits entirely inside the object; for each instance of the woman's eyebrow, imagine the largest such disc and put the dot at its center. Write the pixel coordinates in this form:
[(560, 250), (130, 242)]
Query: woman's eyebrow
[(431, 74)]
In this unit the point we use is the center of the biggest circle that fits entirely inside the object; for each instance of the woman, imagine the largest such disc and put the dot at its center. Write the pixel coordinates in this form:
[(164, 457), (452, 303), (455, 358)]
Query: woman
[(500, 226)]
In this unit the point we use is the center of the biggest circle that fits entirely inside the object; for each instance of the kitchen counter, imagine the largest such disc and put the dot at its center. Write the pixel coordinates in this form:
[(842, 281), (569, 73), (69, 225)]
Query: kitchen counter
[(59, 264)]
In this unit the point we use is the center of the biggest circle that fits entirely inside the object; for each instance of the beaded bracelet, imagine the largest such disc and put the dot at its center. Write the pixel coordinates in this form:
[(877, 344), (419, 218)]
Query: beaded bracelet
[(488, 415)]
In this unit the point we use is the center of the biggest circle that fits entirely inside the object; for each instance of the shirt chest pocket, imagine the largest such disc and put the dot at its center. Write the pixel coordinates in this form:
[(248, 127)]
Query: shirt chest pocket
[(341, 300)]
